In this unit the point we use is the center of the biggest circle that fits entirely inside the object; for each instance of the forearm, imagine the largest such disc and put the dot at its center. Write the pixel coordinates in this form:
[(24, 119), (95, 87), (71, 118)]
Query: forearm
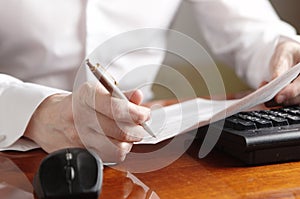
[(242, 34)]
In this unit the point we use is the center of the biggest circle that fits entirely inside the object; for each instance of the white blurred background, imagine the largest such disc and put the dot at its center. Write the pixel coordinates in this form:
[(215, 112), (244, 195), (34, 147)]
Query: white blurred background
[(288, 10)]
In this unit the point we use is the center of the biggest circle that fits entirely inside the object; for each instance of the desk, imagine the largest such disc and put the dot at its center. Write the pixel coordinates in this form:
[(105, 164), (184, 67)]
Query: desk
[(216, 176)]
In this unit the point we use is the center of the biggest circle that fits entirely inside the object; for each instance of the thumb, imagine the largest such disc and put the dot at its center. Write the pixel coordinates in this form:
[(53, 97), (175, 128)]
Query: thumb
[(134, 96)]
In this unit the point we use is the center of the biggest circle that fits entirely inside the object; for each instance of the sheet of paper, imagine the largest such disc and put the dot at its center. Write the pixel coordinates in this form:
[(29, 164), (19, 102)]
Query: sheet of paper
[(179, 118)]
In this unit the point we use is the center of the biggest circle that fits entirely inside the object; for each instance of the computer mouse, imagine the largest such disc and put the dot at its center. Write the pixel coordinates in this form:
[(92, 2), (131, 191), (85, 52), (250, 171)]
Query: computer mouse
[(69, 173)]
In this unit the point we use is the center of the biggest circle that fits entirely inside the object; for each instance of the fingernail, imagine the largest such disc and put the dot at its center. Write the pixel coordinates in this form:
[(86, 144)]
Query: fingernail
[(281, 99)]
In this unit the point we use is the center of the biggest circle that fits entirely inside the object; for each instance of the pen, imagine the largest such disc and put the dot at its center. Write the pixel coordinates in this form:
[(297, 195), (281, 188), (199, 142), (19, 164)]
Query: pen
[(111, 85)]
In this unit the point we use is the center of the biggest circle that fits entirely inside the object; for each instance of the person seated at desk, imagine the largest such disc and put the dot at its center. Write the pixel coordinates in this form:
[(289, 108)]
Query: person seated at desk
[(44, 42)]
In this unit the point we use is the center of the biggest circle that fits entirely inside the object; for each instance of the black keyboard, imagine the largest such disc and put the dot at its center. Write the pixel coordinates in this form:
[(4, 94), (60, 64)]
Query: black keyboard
[(260, 137)]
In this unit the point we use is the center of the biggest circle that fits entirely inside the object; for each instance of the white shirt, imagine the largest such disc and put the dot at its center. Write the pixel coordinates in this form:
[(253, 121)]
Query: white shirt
[(44, 42)]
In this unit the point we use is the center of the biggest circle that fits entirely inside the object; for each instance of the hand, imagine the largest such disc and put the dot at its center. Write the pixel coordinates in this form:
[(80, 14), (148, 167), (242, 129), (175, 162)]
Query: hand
[(286, 55), (89, 117)]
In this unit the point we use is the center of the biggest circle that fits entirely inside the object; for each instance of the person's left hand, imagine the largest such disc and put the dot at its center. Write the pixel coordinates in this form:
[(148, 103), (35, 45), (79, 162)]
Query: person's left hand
[(286, 55)]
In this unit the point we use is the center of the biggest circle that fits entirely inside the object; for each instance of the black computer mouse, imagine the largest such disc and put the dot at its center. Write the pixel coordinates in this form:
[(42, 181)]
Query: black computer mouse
[(69, 173)]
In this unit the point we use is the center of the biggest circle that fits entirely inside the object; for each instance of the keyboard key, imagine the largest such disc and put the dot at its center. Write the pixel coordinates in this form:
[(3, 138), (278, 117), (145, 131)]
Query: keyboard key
[(297, 107), (293, 119), (277, 118), (262, 123), (291, 110), (277, 121), (295, 111), (239, 124), (278, 113), (264, 131), (264, 118)]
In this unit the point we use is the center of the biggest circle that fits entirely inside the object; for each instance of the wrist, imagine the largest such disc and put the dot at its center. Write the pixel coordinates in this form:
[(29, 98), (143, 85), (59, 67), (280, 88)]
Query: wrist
[(44, 115)]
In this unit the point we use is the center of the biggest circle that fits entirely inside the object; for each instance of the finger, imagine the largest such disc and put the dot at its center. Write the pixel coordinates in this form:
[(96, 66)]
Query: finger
[(290, 94), (272, 103), (125, 111), (293, 101), (109, 149), (286, 55), (97, 97), (123, 148), (121, 131), (135, 96)]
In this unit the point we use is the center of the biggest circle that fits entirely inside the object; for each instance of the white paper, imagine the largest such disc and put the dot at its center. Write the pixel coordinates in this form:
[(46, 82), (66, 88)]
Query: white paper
[(173, 120)]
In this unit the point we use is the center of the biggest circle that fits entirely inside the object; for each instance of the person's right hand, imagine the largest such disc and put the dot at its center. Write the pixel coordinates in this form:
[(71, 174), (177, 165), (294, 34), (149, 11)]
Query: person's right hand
[(89, 117)]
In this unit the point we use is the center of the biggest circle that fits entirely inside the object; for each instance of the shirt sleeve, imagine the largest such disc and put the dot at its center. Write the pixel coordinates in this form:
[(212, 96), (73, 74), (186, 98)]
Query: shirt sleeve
[(242, 34), (18, 101)]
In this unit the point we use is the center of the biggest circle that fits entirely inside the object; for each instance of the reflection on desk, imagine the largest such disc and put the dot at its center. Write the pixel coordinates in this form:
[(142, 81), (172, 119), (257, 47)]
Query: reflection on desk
[(13, 182), (216, 176), (16, 183)]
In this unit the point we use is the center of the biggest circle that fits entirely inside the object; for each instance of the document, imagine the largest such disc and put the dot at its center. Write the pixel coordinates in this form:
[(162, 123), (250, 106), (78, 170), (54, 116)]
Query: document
[(176, 119)]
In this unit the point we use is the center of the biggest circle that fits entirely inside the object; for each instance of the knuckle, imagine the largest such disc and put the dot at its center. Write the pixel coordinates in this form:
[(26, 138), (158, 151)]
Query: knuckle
[(125, 136), (139, 115), (116, 110), (85, 92), (85, 88), (120, 132), (125, 147), (128, 133)]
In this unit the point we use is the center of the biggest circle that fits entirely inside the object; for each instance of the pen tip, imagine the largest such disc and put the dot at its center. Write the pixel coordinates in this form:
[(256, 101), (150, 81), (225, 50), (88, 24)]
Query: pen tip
[(149, 130)]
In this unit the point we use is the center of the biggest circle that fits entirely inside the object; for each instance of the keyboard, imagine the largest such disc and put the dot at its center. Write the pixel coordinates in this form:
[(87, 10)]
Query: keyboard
[(262, 137)]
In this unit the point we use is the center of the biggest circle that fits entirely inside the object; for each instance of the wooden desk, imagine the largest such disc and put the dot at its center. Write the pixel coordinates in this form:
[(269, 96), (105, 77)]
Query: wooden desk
[(216, 176)]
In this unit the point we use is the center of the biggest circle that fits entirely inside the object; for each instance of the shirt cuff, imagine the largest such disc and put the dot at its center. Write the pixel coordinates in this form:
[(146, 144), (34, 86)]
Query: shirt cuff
[(18, 101)]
